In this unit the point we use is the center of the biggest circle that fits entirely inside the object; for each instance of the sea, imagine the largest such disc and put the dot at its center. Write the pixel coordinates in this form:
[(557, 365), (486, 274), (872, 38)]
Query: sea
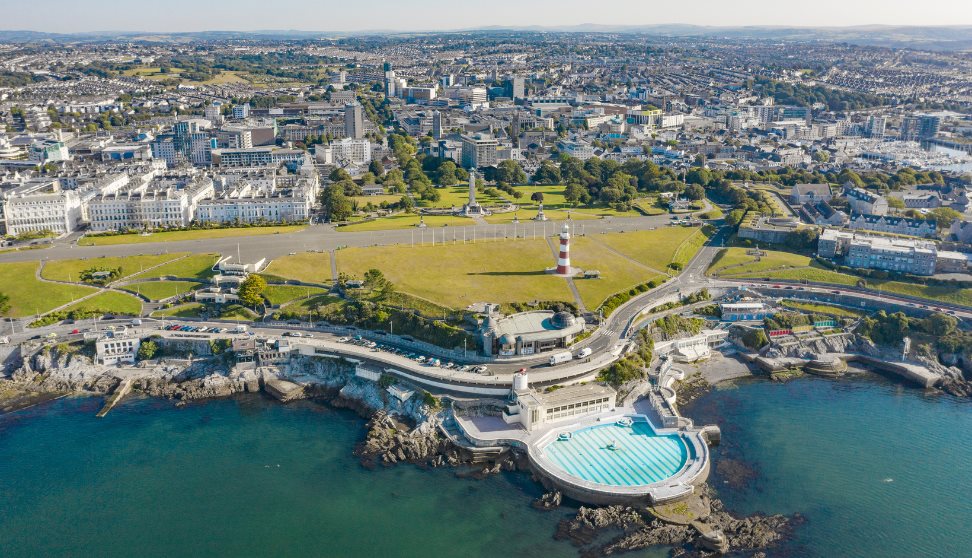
[(872, 467)]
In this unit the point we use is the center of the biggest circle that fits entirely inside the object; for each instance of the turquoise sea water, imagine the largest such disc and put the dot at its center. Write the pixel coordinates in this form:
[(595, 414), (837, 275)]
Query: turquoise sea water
[(242, 477), (878, 469), (639, 458)]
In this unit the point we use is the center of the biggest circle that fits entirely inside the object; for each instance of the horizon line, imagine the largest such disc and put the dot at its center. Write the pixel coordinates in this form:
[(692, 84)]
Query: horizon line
[(536, 27)]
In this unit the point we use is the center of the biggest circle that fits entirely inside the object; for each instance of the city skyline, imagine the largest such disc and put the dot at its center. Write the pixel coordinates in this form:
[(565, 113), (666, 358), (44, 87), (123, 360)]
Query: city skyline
[(423, 15)]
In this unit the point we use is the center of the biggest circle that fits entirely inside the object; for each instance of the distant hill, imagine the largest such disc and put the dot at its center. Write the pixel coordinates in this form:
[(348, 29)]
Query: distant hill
[(936, 38)]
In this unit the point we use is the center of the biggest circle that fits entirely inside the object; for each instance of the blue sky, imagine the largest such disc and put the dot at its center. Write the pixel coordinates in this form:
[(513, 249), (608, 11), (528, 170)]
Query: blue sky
[(344, 15)]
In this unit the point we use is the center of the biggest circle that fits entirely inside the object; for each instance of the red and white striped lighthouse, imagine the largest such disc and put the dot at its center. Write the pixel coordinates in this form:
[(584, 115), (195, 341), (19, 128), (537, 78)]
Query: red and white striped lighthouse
[(563, 259)]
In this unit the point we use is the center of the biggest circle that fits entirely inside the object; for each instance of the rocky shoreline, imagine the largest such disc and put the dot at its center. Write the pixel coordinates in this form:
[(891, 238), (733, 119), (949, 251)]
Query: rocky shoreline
[(628, 529)]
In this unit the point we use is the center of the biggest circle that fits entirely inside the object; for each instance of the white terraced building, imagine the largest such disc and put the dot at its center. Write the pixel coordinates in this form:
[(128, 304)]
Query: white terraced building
[(163, 202), (246, 204), (41, 206)]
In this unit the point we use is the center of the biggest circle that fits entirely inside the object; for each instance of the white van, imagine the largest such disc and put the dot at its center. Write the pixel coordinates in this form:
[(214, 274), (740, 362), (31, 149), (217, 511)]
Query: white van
[(584, 353), (239, 329), (560, 358), (136, 322)]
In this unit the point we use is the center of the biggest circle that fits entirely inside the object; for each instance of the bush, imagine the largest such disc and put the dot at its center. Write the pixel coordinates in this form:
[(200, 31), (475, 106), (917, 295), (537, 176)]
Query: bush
[(147, 350), (754, 339)]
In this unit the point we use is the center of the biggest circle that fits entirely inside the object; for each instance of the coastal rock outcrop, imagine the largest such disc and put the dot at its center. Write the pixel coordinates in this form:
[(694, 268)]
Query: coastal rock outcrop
[(548, 501), (390, 441), (633, 529)]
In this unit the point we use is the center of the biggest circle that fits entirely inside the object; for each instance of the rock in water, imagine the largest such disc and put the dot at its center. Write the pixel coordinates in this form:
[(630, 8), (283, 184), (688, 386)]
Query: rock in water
[(548, 501)]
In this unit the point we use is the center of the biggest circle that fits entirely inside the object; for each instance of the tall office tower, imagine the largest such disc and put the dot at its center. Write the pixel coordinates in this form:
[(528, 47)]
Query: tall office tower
[(436, 125), (517, 87), (876, 126), (354, 120)]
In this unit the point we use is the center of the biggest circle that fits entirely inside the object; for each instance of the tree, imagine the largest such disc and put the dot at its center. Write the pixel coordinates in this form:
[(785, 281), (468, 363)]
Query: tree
[(944, 216), (375, 280), (339, 174), (694, 192), (447, 173), (896, 203), (575, 193), (147, 350), (510, 172), (251, 290), (547, 173), (376, 168), (537, 197), (939, 324), (336, 206)]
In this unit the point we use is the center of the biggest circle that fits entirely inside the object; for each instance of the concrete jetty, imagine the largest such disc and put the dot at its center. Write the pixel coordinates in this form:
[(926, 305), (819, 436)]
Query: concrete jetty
[(914, 373), (121, 390)]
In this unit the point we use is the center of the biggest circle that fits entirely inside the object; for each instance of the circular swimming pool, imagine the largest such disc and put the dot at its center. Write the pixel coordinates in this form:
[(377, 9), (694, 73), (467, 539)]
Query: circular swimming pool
[(615, 455)]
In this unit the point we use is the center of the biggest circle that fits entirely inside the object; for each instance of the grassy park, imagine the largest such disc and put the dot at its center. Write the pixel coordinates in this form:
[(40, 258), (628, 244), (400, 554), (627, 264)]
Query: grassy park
[(307, 267), (406, 221), (657, 248), (29, 295), (282, 294), (818, 308), (158, 290), (188, 310), (109, 302), (178, 236), (195, 266), (70, 270), (737, 261), (507, 270), (459, 275)]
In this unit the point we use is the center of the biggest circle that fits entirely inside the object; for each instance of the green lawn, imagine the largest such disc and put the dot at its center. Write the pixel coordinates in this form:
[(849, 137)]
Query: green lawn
[(822, 309), (177, 236), (737, 261), (553, 199), (70, 270), (237, 312), (188, 310), (945, 294), (407, 220), (687, 249), (158, 290), (196, 266), (376, 200), (456, 275), (28, 295), (459, 275), (315, 304), (813, 273), (280, 294), (655, 248), (617, 272), (458, 196), (308, 267), (110, 302)]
